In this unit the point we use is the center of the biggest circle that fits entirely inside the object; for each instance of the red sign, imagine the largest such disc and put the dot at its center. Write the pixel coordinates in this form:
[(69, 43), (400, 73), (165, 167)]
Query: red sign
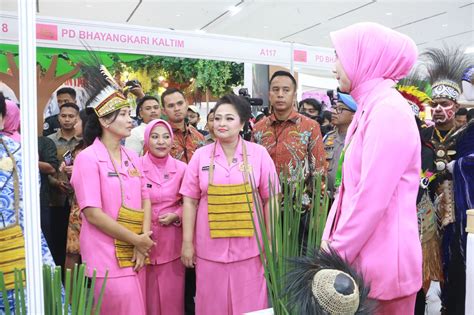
[(300, 55), (46, 31)]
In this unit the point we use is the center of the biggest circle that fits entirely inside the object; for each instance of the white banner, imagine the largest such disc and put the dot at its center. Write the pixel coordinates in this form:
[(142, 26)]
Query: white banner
[(62, 33), (73, 34)]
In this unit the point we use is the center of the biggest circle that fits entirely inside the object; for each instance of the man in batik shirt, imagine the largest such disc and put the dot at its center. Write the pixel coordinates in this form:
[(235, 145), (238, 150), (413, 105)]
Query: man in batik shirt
[(293, 140)]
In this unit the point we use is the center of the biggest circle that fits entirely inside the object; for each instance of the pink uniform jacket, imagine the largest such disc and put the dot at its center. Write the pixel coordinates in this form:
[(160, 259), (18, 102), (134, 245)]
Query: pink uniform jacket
[(96, 185), (195, 186), (162, 188), (376, 228)]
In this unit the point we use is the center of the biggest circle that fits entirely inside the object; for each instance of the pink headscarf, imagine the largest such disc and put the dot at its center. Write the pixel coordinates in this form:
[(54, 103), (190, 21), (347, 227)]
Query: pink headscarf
[(11, 121), (371, 53), (152, 124)]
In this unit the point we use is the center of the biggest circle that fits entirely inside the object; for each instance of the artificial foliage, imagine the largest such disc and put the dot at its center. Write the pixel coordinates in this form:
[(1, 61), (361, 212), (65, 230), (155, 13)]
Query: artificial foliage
[(219, 77)]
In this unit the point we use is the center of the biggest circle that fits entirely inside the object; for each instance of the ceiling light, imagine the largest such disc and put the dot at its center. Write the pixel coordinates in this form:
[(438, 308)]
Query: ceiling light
[(469, 50), (234, 10), (444, 25), (265, 26), (88, 5), (388, 13), (178, 15)]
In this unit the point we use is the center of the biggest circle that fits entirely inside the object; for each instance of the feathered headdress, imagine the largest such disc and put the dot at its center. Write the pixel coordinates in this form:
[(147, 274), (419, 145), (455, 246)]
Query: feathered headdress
[(445, 67), (323, 283), (413, 89), (105, 95)]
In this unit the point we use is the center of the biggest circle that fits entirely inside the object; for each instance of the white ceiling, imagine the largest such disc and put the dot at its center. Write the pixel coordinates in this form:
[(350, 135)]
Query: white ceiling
[(429, 23)]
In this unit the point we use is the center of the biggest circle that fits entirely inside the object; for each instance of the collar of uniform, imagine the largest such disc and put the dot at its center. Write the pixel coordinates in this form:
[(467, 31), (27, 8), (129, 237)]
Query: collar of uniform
[(220, 151), (101, 151), (59, 135), (293, 117), (340, 135), (148, 165)]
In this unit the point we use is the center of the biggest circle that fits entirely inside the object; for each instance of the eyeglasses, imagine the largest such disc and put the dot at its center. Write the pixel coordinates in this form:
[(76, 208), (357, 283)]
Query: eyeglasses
[(339, 110)]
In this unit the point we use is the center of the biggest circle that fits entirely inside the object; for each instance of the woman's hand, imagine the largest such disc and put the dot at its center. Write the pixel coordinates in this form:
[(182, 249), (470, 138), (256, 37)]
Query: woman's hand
[(187, 255), (168, 218), (138, 259), (143, 243)]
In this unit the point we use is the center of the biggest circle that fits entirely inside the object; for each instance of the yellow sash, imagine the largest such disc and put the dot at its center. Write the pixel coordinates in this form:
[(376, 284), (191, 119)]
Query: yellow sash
[(132, 219), (229, 213), (12, 243)]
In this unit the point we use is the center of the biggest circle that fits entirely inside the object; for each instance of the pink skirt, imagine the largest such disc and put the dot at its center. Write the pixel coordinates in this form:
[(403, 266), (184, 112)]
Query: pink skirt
[(122, 296), (230, 288), (165, 288)]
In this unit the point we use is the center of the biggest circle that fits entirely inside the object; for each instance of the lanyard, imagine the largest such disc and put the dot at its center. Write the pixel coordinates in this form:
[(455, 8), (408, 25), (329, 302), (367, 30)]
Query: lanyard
[(118, 174), (338, 180), (245, 163)]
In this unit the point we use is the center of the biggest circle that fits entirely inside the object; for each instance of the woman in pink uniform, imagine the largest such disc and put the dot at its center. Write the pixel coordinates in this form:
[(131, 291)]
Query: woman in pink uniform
[(163, 176), (373, 220), (218, 237), (106, 178)]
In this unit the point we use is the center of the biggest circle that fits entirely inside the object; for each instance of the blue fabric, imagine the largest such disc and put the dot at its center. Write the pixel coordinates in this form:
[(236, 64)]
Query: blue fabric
[(463, 175), (455, 236), (347, 100), (7, 210), (468, 73)]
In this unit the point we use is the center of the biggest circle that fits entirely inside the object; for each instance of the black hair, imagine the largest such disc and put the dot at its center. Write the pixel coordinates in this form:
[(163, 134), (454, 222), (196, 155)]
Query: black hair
[(67, 90), (470, 114), (212, 111), (313, 102), (240, 104), (169, 92), (327, 115), (70, 105), (143, 100), (3, 105), (83, 114), (92, 127), (282, 73), (461, 112)]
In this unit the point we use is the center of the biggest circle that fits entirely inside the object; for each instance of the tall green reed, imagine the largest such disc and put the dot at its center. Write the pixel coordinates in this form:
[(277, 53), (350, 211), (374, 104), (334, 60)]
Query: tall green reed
[(78, 292), (281, 237)]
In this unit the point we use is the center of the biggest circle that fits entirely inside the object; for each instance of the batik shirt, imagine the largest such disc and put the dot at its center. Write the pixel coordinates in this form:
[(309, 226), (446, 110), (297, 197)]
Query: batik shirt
[(185, 143), (7, 209), (293, 144)]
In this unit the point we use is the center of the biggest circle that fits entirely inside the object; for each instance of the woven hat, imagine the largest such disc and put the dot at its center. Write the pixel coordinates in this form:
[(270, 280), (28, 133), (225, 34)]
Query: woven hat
[(323, 283)]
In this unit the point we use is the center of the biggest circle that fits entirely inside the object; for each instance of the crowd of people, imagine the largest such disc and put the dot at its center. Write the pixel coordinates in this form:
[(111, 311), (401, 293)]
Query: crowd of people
[(162, 206)]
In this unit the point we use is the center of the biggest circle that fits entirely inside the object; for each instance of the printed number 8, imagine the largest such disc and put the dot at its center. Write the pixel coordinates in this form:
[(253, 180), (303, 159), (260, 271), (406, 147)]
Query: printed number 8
[(4, 27)]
